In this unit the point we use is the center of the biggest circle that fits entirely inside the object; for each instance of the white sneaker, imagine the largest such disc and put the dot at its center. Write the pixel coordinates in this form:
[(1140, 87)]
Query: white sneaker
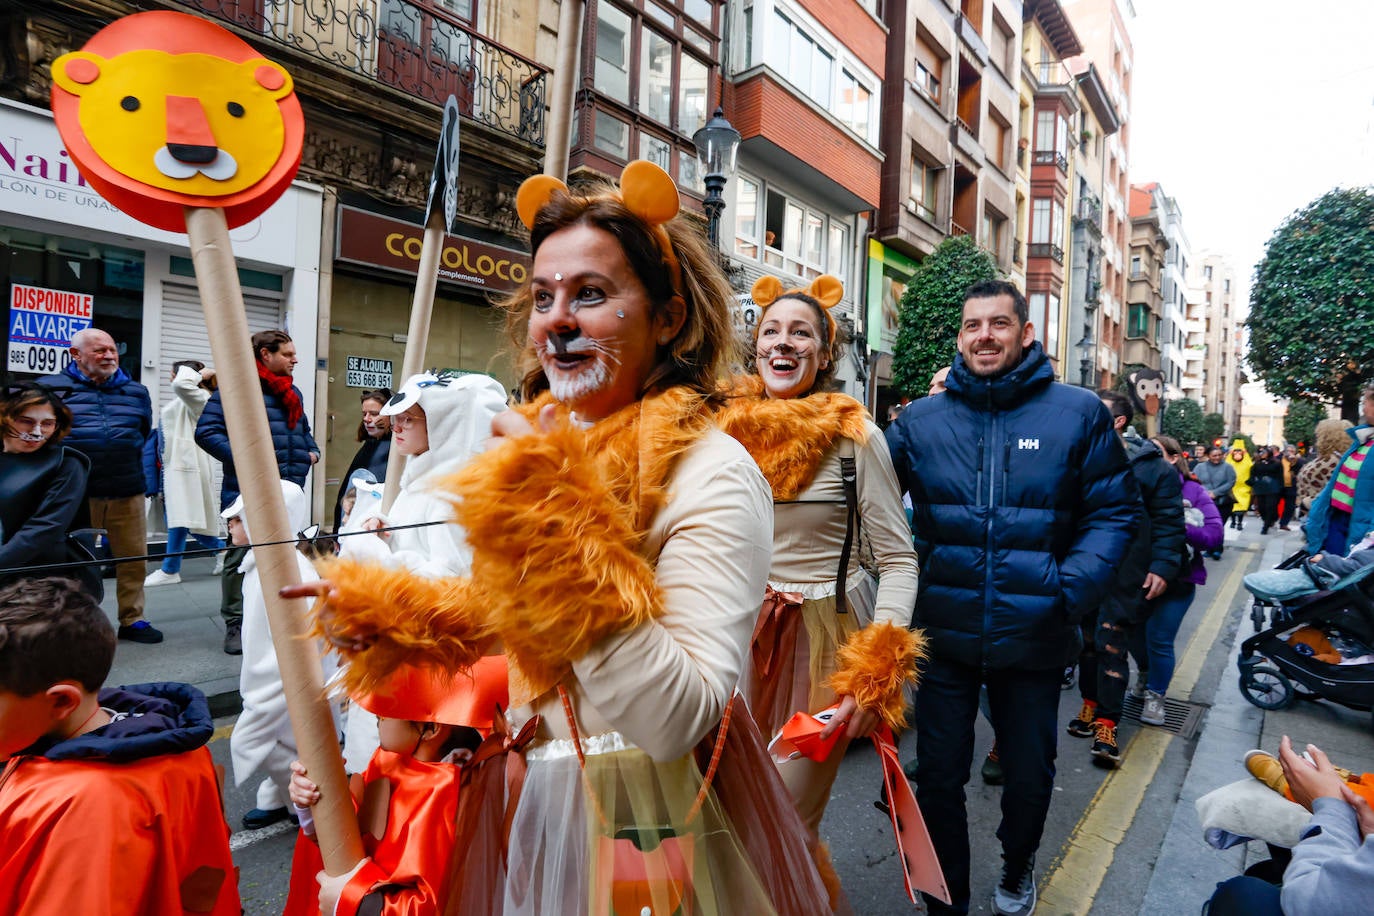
[(1152, 710), (158, 577), (1137, 688), (219, 565)]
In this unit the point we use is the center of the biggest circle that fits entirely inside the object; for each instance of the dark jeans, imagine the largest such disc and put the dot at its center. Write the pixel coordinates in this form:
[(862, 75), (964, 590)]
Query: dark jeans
[(1103, 668), (1290, 505), (1025, 712), (1153, 644), (1244, 896), (231, 586), (1337, 531)]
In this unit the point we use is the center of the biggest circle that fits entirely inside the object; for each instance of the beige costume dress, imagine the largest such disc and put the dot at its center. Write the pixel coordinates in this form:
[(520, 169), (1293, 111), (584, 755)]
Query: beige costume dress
[(810, 520)]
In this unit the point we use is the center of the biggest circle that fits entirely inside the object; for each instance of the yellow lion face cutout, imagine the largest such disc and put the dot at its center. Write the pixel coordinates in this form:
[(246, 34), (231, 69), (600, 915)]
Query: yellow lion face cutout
[(163, 111), (192, 123)]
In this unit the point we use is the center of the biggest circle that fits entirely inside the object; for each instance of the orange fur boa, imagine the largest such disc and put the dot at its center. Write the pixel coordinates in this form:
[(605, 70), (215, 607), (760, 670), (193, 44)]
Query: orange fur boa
[(788, 438), (556, 521), (873, 666)]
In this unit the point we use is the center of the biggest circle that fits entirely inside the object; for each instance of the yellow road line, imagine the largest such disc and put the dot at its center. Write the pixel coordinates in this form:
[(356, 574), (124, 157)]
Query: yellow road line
[(1075, 876)]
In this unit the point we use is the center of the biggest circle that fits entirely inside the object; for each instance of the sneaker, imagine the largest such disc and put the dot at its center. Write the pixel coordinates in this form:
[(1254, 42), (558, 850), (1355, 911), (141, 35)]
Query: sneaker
[(992, 769), (1152, 710), (1105, 752), (1267, 769), (1069, 678), (265, 817), (141, 631), (1081, 725), (233, 639), (158, 577), (219, 565), (1015, 893), (1137, 688)]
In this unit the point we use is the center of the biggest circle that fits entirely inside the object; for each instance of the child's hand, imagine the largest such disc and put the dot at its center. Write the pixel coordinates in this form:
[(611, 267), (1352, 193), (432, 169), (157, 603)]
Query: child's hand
[(1363, 813), (303, 792), (331, 886)]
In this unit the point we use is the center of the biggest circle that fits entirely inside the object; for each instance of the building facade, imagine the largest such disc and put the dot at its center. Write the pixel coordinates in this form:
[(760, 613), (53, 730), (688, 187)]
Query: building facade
[(1145, 289), (1211, 283)]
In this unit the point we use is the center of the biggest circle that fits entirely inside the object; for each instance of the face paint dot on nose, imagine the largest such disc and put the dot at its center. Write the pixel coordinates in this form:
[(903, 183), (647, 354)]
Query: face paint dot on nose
[(558, 276)]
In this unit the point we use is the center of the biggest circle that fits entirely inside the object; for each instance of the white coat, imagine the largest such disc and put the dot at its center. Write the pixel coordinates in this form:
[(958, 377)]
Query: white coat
[(188, 472), (458, 419)]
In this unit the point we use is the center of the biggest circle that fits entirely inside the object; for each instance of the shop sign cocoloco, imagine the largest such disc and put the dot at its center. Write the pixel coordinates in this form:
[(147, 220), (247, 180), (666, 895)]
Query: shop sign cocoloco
[(379, 241)]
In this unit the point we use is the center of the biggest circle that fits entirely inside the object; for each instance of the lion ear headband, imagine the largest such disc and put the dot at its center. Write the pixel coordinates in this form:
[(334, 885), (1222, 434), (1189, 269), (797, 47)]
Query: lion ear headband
[(826, 289), (646, 190)]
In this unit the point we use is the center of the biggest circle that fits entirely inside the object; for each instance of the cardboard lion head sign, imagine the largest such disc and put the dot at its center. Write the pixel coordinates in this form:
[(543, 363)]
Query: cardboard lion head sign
[(163, 111)]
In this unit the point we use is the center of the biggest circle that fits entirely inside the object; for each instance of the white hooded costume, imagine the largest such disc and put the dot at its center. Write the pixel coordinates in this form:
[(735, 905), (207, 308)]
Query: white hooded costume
[(262, 737), (458, 414)]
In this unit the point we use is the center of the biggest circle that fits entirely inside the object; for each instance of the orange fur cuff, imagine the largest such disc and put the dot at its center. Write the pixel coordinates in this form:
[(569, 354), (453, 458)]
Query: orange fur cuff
[(555, 548), (873, 666), (403, 618)]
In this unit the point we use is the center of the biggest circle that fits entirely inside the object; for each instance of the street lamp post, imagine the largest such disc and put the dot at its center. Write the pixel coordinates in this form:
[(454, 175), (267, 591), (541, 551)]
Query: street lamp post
[(1085, 348), (717, 144)]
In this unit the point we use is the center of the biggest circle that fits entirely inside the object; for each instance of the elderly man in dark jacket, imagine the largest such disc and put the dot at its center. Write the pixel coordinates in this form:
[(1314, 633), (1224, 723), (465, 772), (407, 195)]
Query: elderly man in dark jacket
[(1151, 563), (1022, 509), (291, 439), (112, 416)]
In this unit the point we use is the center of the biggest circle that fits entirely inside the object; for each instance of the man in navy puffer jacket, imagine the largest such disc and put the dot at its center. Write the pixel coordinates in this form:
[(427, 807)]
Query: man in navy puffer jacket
[(291, 439), (1022, 508), (112, 416)]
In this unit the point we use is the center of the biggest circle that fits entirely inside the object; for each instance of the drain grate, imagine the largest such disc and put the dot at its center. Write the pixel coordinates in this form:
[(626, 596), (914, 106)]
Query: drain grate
[(1180, 718)]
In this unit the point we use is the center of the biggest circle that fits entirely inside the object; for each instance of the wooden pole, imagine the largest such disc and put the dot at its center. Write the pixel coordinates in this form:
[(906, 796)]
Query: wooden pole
[(564, 88), (417, 337), (259, 480)]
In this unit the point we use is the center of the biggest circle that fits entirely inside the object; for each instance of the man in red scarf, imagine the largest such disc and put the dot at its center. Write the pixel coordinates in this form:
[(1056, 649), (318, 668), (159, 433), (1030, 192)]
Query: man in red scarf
[(291, 440)]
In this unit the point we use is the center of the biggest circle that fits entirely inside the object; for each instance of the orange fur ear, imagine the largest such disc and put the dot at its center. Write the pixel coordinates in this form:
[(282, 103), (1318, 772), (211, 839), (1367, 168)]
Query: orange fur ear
[(649, 192), (534, 193), (826, 289), (765, 290)]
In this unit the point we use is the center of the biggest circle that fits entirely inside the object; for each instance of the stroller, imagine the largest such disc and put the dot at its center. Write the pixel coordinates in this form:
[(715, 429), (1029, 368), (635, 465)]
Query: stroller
[(1318, 646)]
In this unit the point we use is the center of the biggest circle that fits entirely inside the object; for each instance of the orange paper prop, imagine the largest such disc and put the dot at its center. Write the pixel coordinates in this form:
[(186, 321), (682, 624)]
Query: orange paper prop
[(801, 736), (162, 111)]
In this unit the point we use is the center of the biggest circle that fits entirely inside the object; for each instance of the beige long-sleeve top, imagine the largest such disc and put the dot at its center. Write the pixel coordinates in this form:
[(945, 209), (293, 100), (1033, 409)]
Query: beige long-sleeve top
[(662, 686), (808, 533)]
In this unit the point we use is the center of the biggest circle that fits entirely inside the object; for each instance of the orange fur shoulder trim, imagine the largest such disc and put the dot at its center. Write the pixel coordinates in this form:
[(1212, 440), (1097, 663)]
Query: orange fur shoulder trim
[(875, 664), (403, 618), (789, 438), (557, 520)]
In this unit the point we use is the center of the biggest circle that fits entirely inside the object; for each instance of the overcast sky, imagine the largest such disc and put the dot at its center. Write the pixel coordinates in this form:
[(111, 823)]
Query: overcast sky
[(1246, 110)]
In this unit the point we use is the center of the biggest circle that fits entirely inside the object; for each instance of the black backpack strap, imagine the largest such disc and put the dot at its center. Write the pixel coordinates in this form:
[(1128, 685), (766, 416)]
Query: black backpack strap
[(849, 477)]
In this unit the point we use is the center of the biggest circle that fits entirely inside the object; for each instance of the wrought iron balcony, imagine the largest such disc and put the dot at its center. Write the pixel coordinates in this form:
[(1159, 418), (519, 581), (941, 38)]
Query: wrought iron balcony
[(1052, 157), (1045, 250), (1090, 209), (417, 49)]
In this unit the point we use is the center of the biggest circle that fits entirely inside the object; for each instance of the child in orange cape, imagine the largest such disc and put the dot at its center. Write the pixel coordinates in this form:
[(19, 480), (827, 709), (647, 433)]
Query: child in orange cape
[(109, 800), (429, 723)]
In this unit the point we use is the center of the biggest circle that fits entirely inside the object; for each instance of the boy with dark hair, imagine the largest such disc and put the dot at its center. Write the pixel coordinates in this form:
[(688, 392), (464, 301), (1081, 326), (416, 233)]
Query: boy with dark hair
[(109, 800)]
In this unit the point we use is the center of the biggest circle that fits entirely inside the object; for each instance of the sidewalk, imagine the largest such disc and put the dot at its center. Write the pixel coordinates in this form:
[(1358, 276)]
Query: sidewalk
[(1188, 869), (193, 648)]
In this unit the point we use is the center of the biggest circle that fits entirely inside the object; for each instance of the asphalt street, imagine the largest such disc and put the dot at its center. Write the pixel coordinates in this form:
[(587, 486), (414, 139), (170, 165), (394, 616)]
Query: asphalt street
[(1116, 842)]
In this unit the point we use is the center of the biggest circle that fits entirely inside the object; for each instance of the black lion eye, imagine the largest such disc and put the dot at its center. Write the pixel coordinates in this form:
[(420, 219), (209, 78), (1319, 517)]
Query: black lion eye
[(129, 103), (235, 109)]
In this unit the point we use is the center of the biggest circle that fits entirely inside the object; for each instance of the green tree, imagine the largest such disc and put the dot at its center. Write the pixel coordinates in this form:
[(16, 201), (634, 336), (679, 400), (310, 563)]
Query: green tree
[(1183, 420), (1213, 426), (930, 311), (1311, 309), (1300, 423)]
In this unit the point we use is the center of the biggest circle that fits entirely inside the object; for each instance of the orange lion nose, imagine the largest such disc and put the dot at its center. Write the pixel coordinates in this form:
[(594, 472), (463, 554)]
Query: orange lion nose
[(189, 138)]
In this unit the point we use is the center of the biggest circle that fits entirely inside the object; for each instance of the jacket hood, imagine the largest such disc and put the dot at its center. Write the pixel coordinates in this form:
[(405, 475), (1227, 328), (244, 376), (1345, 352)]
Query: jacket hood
[(1139, 448), (458, 414), (150, 720), (1024, 380), (118, 380)]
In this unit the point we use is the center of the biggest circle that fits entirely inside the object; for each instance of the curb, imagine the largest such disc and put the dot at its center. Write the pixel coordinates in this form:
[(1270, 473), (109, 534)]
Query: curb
[(1187, 866)]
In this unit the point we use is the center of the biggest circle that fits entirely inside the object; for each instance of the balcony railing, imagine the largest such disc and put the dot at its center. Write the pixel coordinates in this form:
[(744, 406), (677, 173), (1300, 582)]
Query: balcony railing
[(1045, 250), (1052, 157), (401, 44), (956, 229), (1090, 209)]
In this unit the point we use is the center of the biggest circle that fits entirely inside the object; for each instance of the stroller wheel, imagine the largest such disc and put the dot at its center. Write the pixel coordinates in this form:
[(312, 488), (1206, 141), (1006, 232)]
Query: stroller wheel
[(1266, 687), (1257, 615)]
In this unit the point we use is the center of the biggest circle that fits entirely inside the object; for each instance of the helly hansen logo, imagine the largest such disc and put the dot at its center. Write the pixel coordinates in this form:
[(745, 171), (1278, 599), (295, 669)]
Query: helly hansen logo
[(1028, 444)]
